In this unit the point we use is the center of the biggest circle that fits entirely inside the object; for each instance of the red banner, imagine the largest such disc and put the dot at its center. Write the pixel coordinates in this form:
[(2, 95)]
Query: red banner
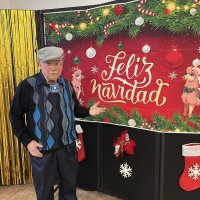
[(144, 73)]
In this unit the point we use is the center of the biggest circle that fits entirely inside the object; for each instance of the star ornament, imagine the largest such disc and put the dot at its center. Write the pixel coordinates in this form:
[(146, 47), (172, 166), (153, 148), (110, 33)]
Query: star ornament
[(94, 70), (172, 75)]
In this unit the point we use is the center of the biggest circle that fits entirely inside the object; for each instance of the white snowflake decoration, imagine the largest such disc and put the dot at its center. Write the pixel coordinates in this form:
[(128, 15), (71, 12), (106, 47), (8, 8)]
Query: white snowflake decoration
[(78, 144), (125, 170), (194, 172), (81, 101), (172, 75), (198, 49), (69, 51), (94, 70)]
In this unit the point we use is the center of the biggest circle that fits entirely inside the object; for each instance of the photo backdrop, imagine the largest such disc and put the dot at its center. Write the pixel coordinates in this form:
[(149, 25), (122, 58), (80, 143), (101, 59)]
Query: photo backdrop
[(132, 57)]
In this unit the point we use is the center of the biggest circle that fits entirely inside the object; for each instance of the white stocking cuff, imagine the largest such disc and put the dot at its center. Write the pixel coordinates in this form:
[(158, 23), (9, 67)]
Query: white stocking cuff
[(79, 129), (191, 149)]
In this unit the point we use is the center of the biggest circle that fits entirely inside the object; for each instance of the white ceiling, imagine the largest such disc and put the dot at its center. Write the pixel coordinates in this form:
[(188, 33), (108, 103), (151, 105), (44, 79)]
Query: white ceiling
[(47, 4)]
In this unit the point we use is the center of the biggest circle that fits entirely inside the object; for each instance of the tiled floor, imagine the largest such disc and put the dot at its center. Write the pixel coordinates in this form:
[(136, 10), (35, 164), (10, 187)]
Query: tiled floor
[(26, 192)]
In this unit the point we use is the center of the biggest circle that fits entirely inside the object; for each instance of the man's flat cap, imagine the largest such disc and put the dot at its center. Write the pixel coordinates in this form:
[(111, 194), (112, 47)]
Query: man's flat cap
[(50, 53)]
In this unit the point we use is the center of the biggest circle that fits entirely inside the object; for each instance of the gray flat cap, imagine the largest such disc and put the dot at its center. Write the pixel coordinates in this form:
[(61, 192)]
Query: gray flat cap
[(50, 53)]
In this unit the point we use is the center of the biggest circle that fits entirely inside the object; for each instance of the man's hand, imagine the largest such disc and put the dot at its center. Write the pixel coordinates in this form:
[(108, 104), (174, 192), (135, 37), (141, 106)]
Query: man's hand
[(33, 148), (95, 110)]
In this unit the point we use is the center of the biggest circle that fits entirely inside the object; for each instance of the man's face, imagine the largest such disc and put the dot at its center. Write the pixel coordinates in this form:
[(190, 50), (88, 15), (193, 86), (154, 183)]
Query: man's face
[(51, 70)]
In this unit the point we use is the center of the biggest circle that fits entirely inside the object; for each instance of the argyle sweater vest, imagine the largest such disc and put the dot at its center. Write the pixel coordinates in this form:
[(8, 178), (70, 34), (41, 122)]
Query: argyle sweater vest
[(53, 114)]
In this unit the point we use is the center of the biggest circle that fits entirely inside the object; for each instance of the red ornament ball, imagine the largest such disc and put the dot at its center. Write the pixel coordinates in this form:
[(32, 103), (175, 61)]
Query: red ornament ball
[(167, 11), (174, 59), (106, 119), (53, 26), (118, 10)]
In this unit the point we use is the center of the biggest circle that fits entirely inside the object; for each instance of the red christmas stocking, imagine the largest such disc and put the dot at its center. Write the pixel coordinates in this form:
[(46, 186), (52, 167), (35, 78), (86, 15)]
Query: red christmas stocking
[(190, 179), (80, 144)]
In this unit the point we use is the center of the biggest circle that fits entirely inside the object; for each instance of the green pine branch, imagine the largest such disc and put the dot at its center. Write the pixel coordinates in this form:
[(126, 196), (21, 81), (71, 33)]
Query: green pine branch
[(176, 21), (182, 125), (160, 123), (196, 119), (121, 116), (137, 117), (118, 116)]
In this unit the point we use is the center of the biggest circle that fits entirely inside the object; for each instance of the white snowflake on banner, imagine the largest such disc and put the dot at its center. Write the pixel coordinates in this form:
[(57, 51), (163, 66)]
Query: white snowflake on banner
[(198, 49), (94, 70), (69, 51), (78, 144), (172, 75), (125, 170), (194, 172), (81, 101)]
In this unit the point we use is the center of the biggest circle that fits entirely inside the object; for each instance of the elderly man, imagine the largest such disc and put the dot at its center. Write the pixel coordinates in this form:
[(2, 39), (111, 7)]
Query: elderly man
[(42, 114)]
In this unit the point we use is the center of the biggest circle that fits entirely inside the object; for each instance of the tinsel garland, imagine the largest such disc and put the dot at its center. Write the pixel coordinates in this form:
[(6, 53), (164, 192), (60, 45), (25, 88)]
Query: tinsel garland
[(18, 60)]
